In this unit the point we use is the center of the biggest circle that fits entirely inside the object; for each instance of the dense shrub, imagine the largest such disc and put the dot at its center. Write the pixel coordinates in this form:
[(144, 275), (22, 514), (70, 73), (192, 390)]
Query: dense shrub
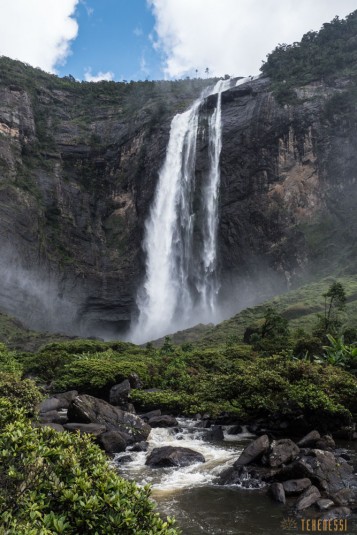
[(9, 362), (21, 394), (97, 373), (61, 483)]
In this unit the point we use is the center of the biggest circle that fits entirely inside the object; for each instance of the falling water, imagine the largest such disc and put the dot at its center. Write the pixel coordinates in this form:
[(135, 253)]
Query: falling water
[(181, 286)]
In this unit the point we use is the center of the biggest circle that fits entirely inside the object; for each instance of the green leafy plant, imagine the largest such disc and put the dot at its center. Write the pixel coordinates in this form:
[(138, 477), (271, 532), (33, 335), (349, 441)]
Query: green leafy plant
[(61, 483)]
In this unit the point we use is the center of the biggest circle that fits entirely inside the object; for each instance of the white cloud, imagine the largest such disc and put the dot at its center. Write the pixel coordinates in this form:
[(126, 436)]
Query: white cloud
[(89, 77), (38, 32), (234, 36)]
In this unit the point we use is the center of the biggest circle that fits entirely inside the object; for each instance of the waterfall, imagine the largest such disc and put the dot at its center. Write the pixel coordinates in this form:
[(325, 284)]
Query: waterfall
[(181, 285)]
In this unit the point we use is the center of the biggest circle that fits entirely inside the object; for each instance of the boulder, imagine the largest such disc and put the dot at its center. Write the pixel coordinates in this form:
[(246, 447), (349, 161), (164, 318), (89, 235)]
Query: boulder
[(253, 451), (277, 492), (88, 409), (49, 404), (150, 414), (296, 486), (309, 497), (336, 512), (173, 456), (325, 443), (119, 393), (135, 381), (65, 398), (215, 433), (234, 430), (282, 452), (309, 440), (347, 496), (139, 446), (91, 429), (112, 441), (52, 417), (325, 470), (163, 421), (324, 504)]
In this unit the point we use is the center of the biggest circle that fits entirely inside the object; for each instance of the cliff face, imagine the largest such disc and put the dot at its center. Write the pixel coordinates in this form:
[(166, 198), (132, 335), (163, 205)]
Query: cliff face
[(78, 169)]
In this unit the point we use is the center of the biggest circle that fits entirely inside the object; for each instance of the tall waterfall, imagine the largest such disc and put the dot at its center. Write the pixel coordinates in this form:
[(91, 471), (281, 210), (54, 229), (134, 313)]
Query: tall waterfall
[(181, 285)]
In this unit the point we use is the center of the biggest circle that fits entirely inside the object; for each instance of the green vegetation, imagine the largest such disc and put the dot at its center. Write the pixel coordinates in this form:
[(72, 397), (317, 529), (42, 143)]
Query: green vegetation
[(319, 56), (283, 370), (61, 483)]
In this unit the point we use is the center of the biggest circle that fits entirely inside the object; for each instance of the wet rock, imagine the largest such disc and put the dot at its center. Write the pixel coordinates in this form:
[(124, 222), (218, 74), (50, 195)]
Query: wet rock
[(91, 429), (87, 409), (65, 398), (324, 504), (234, 430), (49, 405), (112, 441), (52, 416), (336, 512), (282, 451), (309, 440), (163, 421), (139, 446), (124, 459), (150, 414), (296, 486), (253, 451), (173, 456), (119, 393), (215, 433), (325, 443), (135, 381), (277, 492), (128, 407), (325, 470), (256, 476), (345, 496), (309, 497)]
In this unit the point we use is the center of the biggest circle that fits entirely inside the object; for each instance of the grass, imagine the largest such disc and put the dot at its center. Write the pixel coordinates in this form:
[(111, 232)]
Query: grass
[(299, 307)]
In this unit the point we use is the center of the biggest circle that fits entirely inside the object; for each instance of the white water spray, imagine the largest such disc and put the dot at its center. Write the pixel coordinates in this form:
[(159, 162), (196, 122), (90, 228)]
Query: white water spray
[(181, 286)]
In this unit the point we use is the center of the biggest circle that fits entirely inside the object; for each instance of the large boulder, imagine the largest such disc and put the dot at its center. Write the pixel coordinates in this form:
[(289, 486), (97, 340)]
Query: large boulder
[(296, 486), (253, 451), (282, 452), (49, 405), (173, 456), (309, 497), (119, 393), (278, 493), (112, 441), (309, 440), (327, 472), (88, 409), (325, 443), (163, 421), (65, 398)]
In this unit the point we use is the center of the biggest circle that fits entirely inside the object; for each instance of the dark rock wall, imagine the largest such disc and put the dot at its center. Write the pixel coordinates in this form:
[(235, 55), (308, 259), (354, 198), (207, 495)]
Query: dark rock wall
[(78, 174)]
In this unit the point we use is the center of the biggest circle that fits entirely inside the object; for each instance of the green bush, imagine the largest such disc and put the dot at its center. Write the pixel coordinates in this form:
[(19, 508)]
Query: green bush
[(61, 483), (22, 394), (96, 374), (9, 362)]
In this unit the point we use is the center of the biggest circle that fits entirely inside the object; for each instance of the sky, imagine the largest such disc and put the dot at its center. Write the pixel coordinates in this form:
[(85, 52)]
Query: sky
[(156, 39)]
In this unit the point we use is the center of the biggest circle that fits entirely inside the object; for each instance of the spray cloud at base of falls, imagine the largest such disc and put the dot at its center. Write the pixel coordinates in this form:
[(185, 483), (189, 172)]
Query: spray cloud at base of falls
[(180, 242)]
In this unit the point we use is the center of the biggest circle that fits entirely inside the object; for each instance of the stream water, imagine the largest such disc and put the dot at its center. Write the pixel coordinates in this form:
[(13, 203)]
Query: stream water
[(200, 506)]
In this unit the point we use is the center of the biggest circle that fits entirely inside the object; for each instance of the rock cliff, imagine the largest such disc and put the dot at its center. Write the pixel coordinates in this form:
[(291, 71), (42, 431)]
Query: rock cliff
[(78, 168)]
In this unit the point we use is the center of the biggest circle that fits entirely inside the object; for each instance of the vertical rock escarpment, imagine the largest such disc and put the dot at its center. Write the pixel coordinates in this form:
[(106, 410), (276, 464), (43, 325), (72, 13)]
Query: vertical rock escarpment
[(79, 166)]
